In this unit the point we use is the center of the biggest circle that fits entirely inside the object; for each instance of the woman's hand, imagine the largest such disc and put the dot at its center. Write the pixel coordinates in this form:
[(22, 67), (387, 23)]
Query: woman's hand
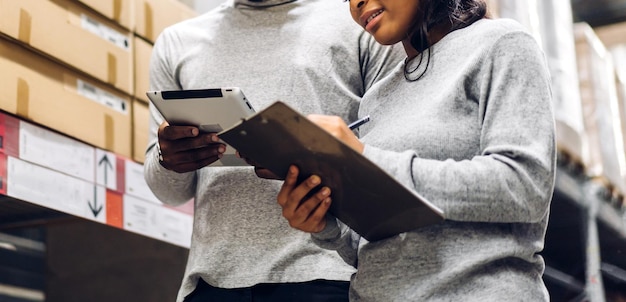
[(332, 124), (184, 149), (339, 129), (308, 214)]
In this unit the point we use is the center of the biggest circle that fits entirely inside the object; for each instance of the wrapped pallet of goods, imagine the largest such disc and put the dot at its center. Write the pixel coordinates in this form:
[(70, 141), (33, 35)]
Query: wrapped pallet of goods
[(493, 8), (524, 12), (555, 24), (618, 53), (598, 93), (550, 22), (612, 35)]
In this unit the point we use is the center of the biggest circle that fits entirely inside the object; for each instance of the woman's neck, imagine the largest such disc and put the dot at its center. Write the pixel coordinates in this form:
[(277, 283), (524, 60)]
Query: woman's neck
[(434, 35), (262, 3)]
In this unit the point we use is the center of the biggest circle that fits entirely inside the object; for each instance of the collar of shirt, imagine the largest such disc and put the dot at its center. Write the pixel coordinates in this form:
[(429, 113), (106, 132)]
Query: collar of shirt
[(262, 3)]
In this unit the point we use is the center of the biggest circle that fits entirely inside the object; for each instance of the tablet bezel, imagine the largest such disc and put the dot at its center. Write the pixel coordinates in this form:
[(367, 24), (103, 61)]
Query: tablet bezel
[(210, 109)]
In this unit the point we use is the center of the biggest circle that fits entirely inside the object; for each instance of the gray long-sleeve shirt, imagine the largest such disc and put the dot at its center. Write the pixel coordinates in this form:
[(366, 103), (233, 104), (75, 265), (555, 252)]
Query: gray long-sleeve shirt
[(475, 136), (307, 53)]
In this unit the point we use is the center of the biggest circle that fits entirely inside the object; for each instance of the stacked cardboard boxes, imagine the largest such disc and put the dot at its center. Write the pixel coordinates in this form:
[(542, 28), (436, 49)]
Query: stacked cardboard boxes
[(143, 51), (80, 67), (151, 17), (69, 69), (73, 130)]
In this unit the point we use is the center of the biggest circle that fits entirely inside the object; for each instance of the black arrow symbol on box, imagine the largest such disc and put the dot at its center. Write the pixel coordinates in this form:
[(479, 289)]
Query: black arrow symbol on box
[(95, 209), (107, 163)]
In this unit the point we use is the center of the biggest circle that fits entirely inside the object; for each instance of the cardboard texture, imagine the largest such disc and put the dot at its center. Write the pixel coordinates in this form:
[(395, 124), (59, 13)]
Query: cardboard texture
[(143, 52), (493, 8), (364, 196), (47, 93), (612, 35), (74, 35), (152, 16), (600, 108), (141, 119), (120, 11)]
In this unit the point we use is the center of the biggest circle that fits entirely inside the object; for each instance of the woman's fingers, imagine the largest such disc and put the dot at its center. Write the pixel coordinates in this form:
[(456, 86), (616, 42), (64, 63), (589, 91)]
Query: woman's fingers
[(304, 214)]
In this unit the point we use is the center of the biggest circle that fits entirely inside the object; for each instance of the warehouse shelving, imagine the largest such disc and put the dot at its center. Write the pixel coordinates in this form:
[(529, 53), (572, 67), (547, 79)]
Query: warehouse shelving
[(586, 240)]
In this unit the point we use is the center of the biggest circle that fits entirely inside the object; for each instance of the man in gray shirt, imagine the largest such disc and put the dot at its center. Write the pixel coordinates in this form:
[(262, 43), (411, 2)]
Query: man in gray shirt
[(307, 53)]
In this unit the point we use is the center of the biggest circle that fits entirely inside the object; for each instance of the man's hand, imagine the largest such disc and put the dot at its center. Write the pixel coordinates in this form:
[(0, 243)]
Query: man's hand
[(338, 128), (185, 149)]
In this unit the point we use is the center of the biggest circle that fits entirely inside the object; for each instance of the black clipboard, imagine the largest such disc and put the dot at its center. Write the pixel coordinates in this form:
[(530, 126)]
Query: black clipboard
[(364, 196)]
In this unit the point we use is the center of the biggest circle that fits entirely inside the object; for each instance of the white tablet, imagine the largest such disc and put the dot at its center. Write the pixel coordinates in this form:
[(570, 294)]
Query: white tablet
[(211, 110)]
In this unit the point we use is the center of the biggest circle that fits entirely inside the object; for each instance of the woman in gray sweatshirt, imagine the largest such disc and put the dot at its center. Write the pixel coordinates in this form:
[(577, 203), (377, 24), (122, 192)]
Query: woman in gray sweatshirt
[(467, 122)]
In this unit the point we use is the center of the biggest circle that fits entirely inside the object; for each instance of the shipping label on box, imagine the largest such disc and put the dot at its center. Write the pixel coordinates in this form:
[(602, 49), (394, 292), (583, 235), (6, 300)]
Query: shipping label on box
[(120, 11), (136, 184), (55, 190), (55, 151), (156, 221)]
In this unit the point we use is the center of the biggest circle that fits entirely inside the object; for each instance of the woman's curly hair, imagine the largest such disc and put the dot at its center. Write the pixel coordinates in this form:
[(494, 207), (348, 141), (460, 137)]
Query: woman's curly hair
[(457, 13)]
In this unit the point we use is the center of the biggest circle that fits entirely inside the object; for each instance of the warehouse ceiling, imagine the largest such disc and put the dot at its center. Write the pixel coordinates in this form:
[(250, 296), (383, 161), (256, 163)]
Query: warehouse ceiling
[(599, 12)]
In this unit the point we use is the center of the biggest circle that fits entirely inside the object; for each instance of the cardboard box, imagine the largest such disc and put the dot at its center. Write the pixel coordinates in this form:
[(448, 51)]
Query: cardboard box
[(493, 8), (141, 119), (612, 35), (50, 94), (152, 16), (524, 12), (73, 35), (120, 11), (557, 40), (143, 52), (596, 75)]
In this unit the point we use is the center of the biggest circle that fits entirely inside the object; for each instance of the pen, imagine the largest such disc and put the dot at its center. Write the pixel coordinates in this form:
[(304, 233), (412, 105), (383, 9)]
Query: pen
[(359, 122)]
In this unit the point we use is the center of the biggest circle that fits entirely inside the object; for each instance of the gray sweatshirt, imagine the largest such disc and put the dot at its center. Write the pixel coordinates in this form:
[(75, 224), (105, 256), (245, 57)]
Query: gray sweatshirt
[(307, 53), (475, 136)]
